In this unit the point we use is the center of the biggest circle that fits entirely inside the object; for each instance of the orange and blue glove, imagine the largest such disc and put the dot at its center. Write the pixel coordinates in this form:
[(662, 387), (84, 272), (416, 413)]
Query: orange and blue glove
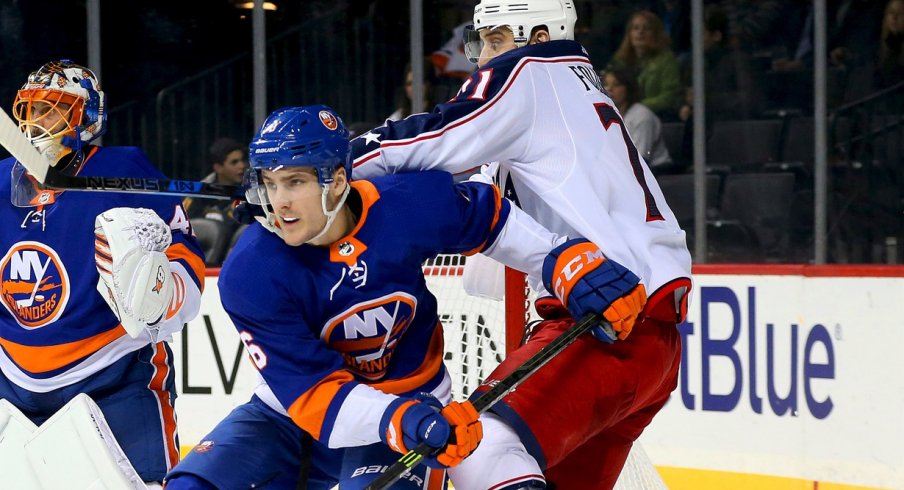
[(455, 428), (579, 274)]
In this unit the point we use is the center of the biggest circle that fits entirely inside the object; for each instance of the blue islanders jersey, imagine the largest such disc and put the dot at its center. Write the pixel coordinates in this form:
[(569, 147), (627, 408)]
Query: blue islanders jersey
[(336, 332), (55, 328), (560, 150)]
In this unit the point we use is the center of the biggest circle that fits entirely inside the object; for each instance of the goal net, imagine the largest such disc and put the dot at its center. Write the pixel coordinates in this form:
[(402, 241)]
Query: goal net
[(479, 331)]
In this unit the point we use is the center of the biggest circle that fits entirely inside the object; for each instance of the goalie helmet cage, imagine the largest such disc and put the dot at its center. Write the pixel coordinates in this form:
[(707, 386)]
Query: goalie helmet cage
[(479, 332)]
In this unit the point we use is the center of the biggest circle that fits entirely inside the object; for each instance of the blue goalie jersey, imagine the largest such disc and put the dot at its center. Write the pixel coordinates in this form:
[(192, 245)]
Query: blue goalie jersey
[(336, 332), (55, 328)]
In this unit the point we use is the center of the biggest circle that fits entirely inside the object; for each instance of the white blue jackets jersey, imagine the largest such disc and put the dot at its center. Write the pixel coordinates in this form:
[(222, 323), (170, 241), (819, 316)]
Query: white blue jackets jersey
[(55, 328), (563, 155), (336, 332)]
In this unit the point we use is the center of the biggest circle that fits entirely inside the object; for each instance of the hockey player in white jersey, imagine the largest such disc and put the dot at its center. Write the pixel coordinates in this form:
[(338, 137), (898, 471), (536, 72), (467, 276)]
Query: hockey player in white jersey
[(536, 108)]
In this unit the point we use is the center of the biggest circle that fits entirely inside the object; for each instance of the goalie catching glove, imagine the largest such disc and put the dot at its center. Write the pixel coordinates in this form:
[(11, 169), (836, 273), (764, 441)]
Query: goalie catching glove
[(135, 277), (586, 281), (454, 429)]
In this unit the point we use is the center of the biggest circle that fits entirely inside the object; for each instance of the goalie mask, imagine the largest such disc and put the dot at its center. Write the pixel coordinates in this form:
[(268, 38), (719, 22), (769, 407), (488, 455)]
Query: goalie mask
[(310, 136), (60, 109), (522, 17)]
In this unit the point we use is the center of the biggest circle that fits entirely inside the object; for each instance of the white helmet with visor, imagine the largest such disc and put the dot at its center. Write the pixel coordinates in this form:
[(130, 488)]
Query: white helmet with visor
[(522, 17)]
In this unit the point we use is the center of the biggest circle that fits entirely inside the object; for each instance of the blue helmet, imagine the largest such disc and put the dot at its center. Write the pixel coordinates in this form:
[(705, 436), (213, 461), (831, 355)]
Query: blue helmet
[(309, 136)]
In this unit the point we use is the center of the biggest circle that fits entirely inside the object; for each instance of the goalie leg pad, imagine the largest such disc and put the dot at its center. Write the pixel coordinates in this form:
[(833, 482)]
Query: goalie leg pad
[(75, 448), (15, 430)]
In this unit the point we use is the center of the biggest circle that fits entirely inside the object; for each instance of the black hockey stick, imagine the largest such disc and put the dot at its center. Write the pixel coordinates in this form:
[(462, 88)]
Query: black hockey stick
[(18, 146), (489, 398)]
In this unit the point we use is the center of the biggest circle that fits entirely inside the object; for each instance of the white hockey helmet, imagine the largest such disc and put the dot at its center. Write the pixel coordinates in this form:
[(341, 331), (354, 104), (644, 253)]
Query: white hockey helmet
[(521, 16), (68, 92)]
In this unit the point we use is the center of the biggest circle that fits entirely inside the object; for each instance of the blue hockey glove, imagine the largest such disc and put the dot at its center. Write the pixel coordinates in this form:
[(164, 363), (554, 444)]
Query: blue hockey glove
[(408, 422), (586, 281)]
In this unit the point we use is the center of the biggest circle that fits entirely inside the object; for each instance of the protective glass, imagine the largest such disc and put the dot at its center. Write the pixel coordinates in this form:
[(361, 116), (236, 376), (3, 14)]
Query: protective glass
[(26, 192), (473, 43), (262, 191)]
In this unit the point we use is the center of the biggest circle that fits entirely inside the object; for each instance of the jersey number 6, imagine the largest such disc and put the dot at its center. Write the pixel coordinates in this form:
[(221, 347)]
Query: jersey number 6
[(254, 351)]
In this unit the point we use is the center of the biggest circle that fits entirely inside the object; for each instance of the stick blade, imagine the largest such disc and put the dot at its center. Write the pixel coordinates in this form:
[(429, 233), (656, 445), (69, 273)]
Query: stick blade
[(18, 146)]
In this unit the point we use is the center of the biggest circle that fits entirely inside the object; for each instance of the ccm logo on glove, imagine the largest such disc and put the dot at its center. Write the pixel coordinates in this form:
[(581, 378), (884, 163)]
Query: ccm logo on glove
[(573, 264), (586, 281)]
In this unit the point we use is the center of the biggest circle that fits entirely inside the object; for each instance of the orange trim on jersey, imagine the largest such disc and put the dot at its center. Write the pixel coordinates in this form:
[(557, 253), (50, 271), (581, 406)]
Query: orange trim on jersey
[(357, 248), (41, 359), (369, 195), (498, 196), (167, 414), (309, 409), (43, 197), (178, 251), (569, 264), (433, 361)]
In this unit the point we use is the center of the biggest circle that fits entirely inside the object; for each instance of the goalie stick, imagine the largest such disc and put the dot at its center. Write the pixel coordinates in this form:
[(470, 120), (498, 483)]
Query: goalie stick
[(40, 168), (489, 398)]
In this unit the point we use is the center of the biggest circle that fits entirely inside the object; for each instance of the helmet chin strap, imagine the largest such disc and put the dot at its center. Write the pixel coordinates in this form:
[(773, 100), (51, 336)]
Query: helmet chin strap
[(330, 215)]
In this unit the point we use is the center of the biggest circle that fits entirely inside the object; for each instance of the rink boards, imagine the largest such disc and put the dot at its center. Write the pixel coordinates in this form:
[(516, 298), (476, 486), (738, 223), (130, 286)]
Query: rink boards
[(791, 379)]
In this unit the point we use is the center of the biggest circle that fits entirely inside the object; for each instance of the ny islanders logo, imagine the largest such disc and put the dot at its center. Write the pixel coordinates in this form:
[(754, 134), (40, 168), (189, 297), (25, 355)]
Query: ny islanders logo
[(329, 120), (367, 333), (34, 284)]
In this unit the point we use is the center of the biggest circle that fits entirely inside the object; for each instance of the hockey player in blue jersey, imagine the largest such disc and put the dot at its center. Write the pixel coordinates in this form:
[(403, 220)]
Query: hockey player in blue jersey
[(328, 295), (93, 285)]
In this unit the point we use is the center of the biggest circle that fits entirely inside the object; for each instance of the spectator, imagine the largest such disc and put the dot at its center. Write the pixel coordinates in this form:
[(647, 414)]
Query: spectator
[(890, 66), (403, 96), (645, 49), (731, 88), (643, 125), (227, 157)]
